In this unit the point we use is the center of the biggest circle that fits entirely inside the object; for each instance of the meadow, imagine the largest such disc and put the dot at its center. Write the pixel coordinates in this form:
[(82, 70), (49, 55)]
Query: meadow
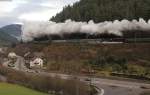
[(12, 89)]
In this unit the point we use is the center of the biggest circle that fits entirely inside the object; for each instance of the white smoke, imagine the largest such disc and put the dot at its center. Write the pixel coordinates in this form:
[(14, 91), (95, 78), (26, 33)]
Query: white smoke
[(33, 30)]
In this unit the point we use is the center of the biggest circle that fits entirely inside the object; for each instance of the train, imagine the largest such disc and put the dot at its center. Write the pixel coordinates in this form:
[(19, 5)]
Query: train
[(128, 37)]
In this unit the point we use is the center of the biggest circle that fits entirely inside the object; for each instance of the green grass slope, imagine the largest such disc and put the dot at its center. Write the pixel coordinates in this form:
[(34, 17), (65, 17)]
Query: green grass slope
[(10, 89)]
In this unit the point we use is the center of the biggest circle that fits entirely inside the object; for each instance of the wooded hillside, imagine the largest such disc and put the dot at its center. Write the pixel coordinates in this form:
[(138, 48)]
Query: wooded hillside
[(102, 10)]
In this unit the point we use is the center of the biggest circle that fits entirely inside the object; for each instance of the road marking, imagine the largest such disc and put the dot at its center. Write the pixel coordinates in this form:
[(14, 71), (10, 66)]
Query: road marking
[(100, 91)]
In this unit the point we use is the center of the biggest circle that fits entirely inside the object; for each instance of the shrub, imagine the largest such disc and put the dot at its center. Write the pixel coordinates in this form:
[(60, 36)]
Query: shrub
[(46, 83)]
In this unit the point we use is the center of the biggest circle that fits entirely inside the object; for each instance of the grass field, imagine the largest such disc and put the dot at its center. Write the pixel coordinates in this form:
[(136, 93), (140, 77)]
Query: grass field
[(10, 89)]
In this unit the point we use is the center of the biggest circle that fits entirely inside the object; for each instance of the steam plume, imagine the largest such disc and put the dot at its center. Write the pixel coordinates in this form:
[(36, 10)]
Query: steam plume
[(33, 30)]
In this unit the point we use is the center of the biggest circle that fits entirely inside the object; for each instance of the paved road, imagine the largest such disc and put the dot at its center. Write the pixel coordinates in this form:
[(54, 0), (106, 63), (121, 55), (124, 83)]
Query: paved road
[(109, 86), (106, 86), (114, 87), (20, 64)]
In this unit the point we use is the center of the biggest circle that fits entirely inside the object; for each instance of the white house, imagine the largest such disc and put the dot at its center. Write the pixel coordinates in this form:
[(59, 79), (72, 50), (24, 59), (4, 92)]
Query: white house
[(37, 62), (12, 55)]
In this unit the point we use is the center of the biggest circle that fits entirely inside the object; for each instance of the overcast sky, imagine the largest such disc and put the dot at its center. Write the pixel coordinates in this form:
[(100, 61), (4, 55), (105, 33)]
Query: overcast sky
[(15, 11)]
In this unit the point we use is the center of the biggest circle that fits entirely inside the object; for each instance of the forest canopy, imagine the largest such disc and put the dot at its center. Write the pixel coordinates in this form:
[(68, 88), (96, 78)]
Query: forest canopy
[(104, 10)]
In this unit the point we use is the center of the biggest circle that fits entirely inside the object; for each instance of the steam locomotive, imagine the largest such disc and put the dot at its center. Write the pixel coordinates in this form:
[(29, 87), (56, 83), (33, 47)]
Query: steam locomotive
[(127, 37)]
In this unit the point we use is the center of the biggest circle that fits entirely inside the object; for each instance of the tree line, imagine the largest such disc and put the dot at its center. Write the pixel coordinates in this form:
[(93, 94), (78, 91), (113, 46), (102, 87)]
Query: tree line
[(102, 10), (51, 85)]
